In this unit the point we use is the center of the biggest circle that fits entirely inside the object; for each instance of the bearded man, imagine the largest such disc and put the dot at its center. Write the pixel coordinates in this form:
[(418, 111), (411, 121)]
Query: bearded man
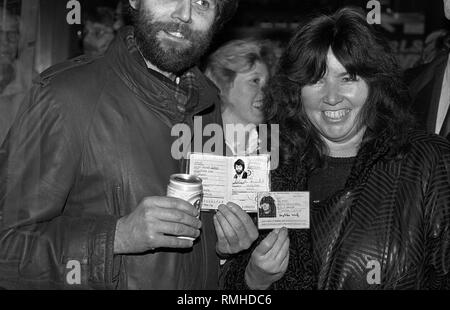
[(84, 169)]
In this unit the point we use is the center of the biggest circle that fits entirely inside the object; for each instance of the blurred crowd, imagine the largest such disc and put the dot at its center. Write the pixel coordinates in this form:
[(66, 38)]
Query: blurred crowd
[(101, 24)]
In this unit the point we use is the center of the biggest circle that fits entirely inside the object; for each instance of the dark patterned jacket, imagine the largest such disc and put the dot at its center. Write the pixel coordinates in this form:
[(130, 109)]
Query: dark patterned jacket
[(389, 228)]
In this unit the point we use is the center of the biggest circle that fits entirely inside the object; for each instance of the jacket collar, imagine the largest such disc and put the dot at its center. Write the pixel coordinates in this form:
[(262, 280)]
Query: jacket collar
[(150, 88)]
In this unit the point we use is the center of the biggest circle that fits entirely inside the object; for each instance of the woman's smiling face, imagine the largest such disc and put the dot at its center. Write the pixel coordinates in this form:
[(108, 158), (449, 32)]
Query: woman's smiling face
[(334, 103)]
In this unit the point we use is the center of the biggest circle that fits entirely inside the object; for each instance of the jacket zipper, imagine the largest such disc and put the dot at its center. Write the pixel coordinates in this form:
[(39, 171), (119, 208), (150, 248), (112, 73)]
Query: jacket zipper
[(117, 201)]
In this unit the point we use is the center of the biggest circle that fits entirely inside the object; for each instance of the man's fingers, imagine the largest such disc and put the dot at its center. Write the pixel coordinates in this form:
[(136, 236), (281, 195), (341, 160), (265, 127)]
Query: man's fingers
[(178, 230), (264, 247), (173, 242), (177, 216), (245, 219), (171, 203)]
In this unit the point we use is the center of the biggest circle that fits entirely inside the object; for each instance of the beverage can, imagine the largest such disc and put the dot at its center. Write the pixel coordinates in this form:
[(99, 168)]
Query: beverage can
[(188, 188)]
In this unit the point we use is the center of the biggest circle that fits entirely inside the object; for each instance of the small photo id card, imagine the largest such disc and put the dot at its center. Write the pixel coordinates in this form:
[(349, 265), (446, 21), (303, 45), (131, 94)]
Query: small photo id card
[(283, 209)]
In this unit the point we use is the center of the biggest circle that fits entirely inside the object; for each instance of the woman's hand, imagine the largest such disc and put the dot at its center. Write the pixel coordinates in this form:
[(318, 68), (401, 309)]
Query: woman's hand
[(269, 261)]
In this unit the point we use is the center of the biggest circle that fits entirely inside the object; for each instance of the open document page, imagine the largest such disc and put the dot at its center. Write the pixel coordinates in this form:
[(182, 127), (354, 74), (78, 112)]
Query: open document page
[(235, 179)]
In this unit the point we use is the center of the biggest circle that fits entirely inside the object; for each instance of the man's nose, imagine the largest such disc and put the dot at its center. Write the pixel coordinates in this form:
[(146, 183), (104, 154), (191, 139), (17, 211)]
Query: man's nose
[(332, 94), (183, 11)]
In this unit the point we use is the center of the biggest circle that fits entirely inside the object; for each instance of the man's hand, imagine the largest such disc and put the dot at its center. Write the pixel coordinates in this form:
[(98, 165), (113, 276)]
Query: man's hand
[(149, 225), (269, 261), (235, 229)]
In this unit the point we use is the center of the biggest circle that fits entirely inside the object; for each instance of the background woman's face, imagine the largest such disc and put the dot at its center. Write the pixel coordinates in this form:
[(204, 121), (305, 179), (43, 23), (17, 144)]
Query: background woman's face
[(334, 103), (244, 98)]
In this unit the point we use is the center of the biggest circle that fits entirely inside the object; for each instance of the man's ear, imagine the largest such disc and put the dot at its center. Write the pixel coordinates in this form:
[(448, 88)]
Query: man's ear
[(134, 4)]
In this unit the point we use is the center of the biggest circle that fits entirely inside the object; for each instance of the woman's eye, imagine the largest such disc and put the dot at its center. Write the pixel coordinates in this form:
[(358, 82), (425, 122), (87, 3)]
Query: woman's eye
[(256, 81), (347, 79)]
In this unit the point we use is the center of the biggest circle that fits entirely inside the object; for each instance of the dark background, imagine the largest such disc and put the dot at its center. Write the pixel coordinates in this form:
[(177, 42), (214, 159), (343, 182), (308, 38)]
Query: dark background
[(273, 19), (277, 19)]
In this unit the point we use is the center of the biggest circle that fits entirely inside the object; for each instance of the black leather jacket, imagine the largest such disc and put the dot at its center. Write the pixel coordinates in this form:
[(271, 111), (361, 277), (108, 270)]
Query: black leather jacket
[(92, 139)]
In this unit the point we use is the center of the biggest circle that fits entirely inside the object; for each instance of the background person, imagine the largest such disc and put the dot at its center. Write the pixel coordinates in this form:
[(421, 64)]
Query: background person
[(9, 49), (240, 70), (379, 189), (12, 73), (429, 87), (99, 31), (435, 43)]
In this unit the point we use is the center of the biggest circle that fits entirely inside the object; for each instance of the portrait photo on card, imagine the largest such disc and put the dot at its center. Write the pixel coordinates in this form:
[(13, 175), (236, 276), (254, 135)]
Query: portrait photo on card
[(241, 172), (267, 207), (283, 209)]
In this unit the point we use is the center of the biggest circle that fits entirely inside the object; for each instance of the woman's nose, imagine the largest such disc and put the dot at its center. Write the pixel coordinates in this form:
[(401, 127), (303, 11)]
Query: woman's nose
[(183, 11), (332, 94)]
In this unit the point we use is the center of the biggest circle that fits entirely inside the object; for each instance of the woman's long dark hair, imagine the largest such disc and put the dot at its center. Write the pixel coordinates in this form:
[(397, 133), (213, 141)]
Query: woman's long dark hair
[(363, 52)]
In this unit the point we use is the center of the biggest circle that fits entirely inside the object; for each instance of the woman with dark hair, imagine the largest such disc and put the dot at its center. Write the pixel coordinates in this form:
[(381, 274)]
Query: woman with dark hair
[(380, 190), (267, 207)]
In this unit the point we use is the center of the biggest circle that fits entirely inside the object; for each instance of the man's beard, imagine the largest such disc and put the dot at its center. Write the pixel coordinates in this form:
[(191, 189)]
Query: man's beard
[(174, 58)]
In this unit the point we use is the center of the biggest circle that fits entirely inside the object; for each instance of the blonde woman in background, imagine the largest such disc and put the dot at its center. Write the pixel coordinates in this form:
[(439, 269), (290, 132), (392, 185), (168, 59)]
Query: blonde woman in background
[(241, 69)]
